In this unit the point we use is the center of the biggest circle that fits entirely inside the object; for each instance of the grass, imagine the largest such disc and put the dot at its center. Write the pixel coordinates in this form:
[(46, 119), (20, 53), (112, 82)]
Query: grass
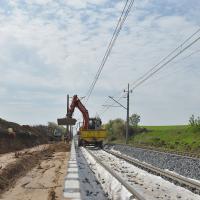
[(177, 138)]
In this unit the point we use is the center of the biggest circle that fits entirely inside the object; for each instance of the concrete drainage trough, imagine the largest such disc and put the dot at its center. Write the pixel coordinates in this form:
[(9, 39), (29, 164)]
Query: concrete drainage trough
[(71, 185)]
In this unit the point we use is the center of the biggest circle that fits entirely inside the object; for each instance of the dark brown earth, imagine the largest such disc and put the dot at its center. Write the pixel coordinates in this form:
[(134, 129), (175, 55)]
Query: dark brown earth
[(23, 136)]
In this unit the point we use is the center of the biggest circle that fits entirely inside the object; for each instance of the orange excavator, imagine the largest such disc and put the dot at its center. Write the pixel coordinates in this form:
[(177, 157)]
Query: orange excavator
[(76, 103), (91, 132)]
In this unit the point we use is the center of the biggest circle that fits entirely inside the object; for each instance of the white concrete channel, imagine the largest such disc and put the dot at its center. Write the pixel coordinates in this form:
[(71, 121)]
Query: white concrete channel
[(80, 181), (71, 185)]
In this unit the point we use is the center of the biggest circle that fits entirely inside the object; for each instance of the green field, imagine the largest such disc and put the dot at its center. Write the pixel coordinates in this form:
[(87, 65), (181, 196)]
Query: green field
[(176, 138)]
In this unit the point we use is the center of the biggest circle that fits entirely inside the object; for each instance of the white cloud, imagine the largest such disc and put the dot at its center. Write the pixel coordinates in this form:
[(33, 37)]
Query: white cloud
[(79, 4), (51, 48)]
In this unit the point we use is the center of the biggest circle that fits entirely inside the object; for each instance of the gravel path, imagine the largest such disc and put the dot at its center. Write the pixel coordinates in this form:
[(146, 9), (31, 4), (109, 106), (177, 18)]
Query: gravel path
[(185, 166)]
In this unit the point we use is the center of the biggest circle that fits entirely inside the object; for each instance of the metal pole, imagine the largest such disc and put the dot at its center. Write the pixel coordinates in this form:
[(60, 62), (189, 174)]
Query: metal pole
[(67, 114), (127, 116), (127, 112), (67, 104), (71, 135)]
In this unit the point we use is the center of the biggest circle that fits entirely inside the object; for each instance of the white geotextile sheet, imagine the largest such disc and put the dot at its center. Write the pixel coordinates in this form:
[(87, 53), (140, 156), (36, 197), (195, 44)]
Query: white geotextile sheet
[(110, 184)]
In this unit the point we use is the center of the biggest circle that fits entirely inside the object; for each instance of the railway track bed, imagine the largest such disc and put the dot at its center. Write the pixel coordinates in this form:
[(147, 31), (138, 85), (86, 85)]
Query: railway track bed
[(188, 183), (183, 165), (122, 180)]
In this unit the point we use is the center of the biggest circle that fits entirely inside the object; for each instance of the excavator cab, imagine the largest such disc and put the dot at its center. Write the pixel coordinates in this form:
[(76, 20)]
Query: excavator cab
[(94, 124)]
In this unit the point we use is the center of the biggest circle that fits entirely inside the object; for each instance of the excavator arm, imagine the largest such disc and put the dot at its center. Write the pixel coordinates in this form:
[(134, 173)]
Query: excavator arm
[(76, 103)]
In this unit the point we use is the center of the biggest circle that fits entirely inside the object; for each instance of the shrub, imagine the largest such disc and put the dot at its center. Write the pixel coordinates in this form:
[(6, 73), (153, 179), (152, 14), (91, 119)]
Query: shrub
[(194, 123)]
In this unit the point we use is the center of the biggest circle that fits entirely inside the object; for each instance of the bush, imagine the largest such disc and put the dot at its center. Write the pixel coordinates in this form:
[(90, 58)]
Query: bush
[(194, 123), (116, 129)]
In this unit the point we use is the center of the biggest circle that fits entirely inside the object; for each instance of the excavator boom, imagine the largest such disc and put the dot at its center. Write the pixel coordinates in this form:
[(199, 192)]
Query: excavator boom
[(76, 103)]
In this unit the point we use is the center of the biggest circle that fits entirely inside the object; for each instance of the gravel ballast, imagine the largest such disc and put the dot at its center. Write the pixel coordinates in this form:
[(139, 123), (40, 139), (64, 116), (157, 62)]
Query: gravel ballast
[(184, 166)]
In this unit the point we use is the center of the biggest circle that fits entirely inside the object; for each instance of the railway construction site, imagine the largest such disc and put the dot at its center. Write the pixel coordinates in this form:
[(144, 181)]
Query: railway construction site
[(65, 170), (40, 162), (99, 100)]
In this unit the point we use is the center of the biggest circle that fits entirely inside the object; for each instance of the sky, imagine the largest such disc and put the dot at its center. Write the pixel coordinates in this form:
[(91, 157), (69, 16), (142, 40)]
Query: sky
[(51, 48)]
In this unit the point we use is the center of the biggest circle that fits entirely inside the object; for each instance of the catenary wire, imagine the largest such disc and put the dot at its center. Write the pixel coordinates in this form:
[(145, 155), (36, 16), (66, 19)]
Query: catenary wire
[(146, 76), (118, 28)]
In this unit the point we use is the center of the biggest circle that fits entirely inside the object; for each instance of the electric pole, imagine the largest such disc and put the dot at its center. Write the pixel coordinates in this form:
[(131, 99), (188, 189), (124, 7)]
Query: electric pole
[(127, 111), (67, 115)]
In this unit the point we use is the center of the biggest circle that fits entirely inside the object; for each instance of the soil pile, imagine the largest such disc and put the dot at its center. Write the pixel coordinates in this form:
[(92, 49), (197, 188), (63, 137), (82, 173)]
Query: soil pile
[(14, 137)]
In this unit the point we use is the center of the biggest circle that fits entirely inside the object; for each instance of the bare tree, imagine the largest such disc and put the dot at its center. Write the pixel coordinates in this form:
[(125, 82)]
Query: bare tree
[(134, 120)]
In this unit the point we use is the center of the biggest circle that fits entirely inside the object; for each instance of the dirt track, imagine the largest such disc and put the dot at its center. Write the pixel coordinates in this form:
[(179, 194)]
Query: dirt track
[(44, 181)]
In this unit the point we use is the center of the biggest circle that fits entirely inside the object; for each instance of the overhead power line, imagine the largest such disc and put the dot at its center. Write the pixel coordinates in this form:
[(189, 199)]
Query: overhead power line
[(165, 58), (163, 65), (179, 69), (127, 7), (169, 58), (112, 105)]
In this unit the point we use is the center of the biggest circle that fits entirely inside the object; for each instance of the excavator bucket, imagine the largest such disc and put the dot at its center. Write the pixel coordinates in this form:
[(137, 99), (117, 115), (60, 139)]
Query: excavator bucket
[(66, 121)]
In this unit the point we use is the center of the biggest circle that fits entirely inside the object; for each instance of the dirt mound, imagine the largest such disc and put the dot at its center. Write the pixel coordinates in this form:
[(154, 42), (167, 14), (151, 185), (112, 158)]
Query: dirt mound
[(62, 147), (39, 130), (16, 137)]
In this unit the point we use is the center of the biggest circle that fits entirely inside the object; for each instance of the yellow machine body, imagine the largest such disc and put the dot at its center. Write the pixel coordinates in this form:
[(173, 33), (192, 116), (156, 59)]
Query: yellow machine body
[(93, 135)]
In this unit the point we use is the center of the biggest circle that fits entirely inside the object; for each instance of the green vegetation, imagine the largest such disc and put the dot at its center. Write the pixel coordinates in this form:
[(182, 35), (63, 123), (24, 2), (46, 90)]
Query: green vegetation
[(177, 138), (181, 138), (194, 123), (116, 129)]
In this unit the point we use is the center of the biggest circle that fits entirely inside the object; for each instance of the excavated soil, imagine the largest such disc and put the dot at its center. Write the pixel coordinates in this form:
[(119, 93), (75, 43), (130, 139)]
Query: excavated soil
[(37, 175), (21, 136)]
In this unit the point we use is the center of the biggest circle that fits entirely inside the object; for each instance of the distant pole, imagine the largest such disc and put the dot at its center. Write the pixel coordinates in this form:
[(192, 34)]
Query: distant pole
[(127, 111), (67, 104), (68, 113), (127, 114), (71, 135)]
